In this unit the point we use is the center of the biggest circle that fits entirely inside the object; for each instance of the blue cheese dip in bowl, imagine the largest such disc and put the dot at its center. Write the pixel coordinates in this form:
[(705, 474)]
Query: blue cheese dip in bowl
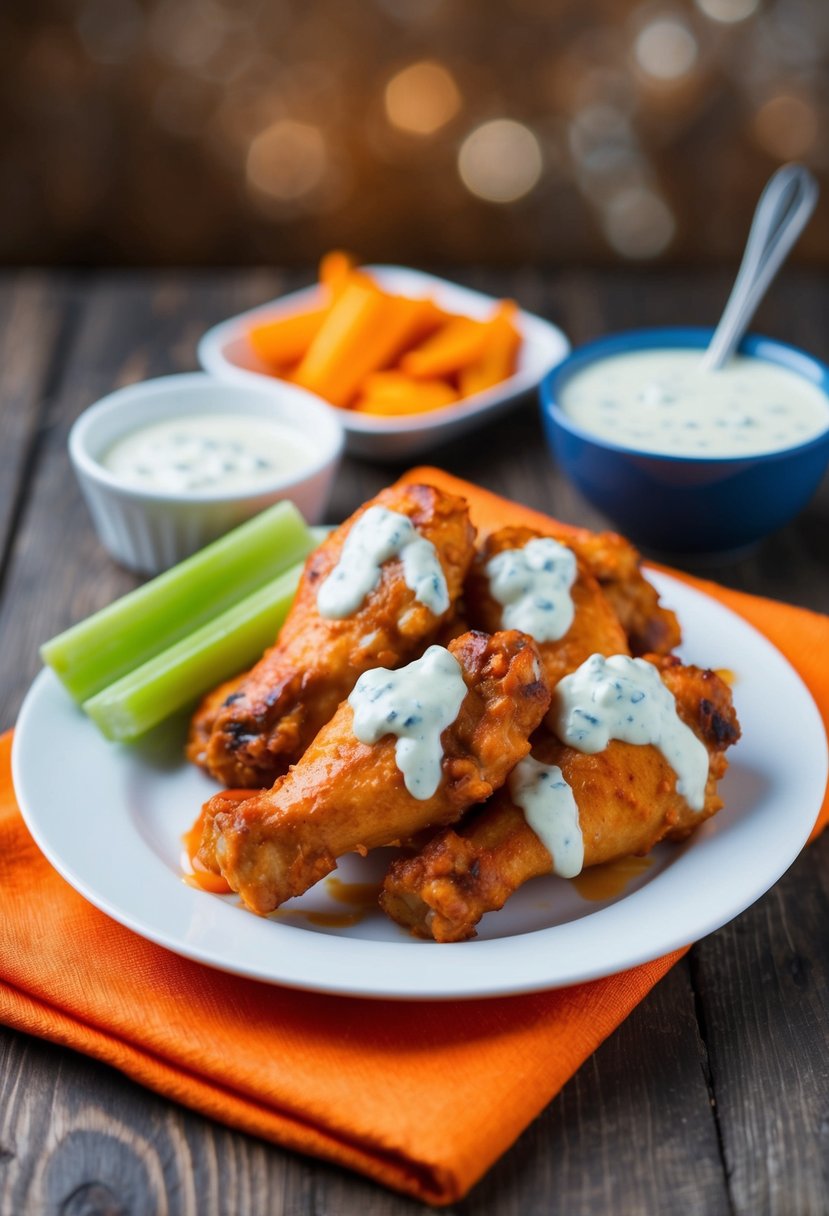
[(684, 460), (168, 465)]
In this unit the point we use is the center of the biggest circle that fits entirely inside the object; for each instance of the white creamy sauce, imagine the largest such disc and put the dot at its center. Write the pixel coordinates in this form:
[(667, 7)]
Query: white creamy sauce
[(533, 586), (222, 453), (378, 535), (625, 699), (416, 703), (662, 401), (550, 810)]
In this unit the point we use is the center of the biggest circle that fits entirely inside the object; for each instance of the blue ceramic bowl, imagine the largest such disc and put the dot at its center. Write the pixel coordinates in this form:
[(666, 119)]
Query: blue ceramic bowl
[(687, 504)]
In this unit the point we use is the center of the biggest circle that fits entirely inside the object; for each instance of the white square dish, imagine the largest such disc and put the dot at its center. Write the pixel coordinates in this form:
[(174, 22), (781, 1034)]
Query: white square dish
[(224, 353)]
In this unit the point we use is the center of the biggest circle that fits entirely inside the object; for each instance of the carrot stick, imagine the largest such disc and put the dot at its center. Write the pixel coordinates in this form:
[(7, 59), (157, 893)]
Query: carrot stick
[(283, 341), (455, 345), (497, 361), (365, 330), (388, 384), (335, 267), (391, 393)]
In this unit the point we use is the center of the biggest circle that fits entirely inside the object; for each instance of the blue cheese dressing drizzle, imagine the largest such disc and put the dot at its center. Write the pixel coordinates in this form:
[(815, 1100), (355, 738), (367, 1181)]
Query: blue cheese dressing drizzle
[(625, 699), (378, 535), (533, 586), (416, 703), (550, 810)]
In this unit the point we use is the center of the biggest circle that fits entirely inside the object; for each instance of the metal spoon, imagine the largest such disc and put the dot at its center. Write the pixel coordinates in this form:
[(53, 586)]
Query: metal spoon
[(782, 213)]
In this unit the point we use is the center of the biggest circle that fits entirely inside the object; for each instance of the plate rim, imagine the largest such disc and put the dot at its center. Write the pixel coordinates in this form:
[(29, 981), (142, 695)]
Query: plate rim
[(497, 984)]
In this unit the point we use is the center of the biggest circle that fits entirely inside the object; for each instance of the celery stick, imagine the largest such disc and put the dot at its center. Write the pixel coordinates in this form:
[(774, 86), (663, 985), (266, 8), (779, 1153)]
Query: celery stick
[(101, 649), (221, 648)]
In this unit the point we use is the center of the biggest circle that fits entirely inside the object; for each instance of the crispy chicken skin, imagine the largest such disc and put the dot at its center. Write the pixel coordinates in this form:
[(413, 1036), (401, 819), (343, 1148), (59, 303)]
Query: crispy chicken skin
[(595, 628), (204, 719), (627, 801), (346, 796), (265, 723), (650, 627)]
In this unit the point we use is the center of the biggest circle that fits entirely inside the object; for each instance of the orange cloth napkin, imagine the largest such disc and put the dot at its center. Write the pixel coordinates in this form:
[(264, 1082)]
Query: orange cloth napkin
[(421, 1097)]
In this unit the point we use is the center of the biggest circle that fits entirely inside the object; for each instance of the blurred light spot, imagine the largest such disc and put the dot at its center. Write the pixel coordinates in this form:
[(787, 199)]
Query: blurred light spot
[(187, 32), (728, 11), (666, 49), (287, 159), (239, 118), (639, 223), (786, 126), (228, 63), (605, 153), (422, 98), (597, 129), (110, 29), (602, 85), (500, 161)]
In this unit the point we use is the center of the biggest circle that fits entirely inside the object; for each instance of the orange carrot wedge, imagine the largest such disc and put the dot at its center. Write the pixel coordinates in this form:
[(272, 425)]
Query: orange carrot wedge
[(389, 384), (335, 267), (455, 345), (364, 331), (391, 394), (500, 349), (283, 341)]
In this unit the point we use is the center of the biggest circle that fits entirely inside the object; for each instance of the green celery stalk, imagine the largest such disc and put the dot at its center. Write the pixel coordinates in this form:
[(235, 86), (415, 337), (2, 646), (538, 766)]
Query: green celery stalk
[(224, 646), (97, 651)]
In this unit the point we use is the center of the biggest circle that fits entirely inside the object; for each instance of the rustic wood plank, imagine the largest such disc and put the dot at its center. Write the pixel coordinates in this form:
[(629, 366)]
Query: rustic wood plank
[(632, 1127), (36, 314), (763, 985), (80, 1140)]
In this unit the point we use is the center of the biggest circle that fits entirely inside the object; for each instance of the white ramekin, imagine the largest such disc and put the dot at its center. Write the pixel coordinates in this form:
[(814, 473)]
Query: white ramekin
[(149, 531)]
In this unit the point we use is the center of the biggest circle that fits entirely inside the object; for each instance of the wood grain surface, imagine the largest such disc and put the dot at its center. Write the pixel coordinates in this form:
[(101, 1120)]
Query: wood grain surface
[(713, 1097)]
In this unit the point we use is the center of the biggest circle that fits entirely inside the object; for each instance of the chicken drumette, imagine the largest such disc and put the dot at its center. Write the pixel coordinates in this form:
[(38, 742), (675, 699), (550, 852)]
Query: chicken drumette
[(627, 801), (345, 795), (249, 732)]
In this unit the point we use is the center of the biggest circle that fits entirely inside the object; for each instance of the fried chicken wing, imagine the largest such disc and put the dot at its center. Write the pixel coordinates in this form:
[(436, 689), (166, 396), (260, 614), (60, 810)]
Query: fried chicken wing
[(650, 627), (345, 795), (595, 627), (204, 719), (264, 724), (627, 801)]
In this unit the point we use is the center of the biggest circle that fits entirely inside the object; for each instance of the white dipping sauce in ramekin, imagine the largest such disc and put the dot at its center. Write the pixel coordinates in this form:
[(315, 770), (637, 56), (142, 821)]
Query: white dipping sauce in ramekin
[(208, 453), (662, 401)]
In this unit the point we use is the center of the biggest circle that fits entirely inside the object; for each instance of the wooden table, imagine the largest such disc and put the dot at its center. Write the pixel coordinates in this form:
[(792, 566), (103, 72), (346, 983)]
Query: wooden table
[(713, 1097)]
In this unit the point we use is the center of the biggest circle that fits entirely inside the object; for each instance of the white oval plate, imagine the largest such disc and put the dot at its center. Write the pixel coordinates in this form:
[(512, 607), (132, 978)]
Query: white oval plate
[(225, 353), (110, 819)]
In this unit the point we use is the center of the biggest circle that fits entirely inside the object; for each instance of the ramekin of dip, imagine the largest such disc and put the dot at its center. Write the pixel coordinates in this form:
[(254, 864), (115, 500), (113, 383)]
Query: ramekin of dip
[(684, 460), (168, 465)]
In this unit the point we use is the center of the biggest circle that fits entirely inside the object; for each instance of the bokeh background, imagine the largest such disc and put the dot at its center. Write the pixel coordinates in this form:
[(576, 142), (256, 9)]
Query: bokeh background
[(189, 132)]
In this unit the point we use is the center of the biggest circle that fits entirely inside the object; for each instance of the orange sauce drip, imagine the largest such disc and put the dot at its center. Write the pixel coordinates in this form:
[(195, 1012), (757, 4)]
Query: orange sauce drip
[(195, 873), (727, 676), (204, 880), (337, 920), (363, 895), (610, 879), (360, 896)]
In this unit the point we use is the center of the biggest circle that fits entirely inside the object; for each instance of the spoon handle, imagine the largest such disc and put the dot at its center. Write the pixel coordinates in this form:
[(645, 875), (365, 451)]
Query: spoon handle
[(782, 212)]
